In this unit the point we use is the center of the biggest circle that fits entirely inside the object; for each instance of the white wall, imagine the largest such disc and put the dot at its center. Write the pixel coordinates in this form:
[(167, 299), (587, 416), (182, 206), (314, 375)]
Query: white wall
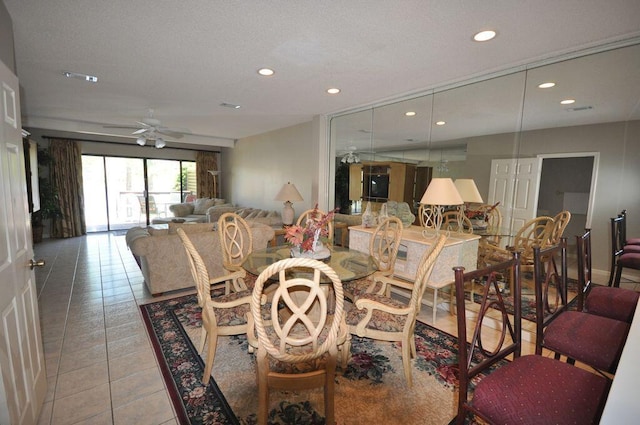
[(256, 168)]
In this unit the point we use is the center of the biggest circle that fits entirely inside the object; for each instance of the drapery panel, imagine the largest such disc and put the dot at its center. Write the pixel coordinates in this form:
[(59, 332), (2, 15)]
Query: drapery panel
[(206, 181), (66, 174)]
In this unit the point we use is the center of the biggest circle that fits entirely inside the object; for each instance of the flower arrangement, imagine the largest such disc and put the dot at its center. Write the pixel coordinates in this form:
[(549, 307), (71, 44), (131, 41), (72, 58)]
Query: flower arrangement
[(307, 237)]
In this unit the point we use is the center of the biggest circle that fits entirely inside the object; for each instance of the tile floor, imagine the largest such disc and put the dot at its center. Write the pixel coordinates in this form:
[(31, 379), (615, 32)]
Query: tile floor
[(100, 365)]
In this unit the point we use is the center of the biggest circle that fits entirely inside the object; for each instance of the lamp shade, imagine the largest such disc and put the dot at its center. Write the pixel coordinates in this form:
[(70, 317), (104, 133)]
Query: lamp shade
[(441, 191), (289, 193), (468, 191)]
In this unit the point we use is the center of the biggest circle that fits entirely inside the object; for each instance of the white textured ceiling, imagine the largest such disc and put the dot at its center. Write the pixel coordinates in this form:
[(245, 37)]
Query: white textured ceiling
[(184, 58)]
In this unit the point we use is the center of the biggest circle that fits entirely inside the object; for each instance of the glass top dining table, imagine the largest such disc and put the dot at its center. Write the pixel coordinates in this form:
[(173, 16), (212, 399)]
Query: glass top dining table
[(348, 263)]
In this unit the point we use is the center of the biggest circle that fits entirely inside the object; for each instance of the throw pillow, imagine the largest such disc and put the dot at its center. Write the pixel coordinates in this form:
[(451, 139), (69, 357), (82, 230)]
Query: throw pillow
[(202, 205)]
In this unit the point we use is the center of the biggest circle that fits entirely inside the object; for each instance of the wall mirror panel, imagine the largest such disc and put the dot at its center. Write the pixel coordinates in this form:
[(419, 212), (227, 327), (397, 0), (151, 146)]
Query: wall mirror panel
[(594, 141)]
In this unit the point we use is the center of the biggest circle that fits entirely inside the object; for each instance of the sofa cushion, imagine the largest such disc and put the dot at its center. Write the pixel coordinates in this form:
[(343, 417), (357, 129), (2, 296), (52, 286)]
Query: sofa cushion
[(181, 210), (216, 211), (202, 205), (190, 227)]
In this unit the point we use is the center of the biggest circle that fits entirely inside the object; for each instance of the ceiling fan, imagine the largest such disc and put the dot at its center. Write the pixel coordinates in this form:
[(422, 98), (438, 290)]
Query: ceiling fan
[(350, 157), (151, 129)]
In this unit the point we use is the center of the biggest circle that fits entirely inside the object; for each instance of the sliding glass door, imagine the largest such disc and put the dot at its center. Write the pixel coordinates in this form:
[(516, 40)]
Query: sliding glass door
[(121, 193)]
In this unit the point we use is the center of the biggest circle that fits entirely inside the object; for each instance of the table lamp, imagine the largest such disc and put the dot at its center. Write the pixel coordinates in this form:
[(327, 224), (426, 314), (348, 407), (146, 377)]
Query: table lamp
[(440, 193), (288, 194), (469, 193)]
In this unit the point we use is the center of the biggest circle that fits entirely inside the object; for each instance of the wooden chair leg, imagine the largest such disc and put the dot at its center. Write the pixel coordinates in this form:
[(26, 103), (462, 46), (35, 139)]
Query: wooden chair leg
[(203, 339), (435, 305), (211, 355), (406, 363), (616, 282)]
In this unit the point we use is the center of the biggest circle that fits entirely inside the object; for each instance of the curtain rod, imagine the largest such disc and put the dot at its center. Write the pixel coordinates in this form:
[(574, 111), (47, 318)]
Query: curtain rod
[(120, 143)]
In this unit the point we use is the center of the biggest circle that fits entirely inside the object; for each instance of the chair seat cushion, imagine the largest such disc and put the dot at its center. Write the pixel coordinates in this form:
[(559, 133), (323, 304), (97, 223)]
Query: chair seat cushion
[(536, 389), (614, 303), (594, 340), (380, 320), (235, 315), (633, 241), (630, 260), (356, 287), (631, 249)]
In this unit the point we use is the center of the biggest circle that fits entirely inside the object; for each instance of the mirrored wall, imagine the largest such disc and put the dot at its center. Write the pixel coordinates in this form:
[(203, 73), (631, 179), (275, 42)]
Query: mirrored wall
[(583, 154)]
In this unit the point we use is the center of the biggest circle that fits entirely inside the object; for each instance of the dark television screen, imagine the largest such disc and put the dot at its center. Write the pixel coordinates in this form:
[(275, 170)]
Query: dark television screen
[(378, 186)]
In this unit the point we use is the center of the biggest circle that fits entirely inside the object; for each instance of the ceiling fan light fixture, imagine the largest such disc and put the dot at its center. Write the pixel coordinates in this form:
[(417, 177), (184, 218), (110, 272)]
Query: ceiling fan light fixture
[(350, 158), (160, 143), (141, 141)]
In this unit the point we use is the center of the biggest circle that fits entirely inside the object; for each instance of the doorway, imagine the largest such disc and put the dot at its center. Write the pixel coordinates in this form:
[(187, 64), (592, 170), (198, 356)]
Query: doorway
[(567, 182)]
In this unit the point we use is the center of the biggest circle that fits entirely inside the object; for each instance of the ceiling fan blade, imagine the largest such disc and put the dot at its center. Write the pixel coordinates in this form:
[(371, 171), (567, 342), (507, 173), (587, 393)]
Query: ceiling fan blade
[(121, 126), (140, 131)]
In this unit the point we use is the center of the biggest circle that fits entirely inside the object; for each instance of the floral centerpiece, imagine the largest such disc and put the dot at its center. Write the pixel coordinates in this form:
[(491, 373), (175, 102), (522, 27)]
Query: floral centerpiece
[(307, 240)]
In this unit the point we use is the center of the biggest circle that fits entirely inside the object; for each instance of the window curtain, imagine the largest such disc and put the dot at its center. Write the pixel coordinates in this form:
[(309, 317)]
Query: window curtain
[(206, 182), (66, 174)]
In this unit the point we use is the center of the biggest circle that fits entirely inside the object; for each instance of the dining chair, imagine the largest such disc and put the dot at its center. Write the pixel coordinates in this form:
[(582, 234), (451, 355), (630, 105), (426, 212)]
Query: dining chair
[(452, 221), (523, 389), (627, 241), (535, 232), (614, 303), (223, 315), (386, 318), (316, 214), (298, 343), (494, 221), (590, 339), (623, 254), (560, 222), (236, 241), (383, 247)]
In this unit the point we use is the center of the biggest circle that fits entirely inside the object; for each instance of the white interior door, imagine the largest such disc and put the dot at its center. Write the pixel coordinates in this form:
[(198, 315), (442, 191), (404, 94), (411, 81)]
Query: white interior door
[(515, 184), (23, 383)]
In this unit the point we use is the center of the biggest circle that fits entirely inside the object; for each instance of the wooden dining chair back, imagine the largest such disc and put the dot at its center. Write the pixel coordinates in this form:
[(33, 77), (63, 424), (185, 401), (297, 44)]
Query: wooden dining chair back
[(317, 215), (624, 253), (454, 222), (614, 303), (535, 232), (560, 222), (223, 315), (593, 340), (298, 349), (386, 318), (236, 241), (383, 248), (552, 393)]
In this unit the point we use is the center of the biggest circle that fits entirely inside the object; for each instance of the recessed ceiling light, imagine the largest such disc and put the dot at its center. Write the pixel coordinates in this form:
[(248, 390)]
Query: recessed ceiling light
[(410, 113), (546, 85), (267, 72), (333, 90), (484, 35), (567, 101), (229, 105), (440, 122)]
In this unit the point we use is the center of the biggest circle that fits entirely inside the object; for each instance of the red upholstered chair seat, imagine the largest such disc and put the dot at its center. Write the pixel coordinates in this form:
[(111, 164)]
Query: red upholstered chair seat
[(630, 260), (614, 303), (594, 340), (633, 241), (536, 389), (631, 249)]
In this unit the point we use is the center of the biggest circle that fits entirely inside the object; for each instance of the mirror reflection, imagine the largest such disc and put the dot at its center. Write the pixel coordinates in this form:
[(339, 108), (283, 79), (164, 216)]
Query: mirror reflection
[(577, 156)]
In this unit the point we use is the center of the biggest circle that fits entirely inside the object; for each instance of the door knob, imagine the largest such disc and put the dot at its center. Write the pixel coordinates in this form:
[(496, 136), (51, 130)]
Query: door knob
[(37, 263)]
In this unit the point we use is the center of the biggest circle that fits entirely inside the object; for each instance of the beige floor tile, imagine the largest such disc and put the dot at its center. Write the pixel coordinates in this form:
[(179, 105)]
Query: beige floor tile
[(152, 409), (128, 345), (80, 406), (134, 386), (131, 363), (133, 328), (103, 418), (82, 379), (84, 340), (83, 357)]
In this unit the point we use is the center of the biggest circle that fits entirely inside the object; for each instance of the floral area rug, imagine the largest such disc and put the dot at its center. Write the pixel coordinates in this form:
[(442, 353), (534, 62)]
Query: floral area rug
[(371, 390)]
